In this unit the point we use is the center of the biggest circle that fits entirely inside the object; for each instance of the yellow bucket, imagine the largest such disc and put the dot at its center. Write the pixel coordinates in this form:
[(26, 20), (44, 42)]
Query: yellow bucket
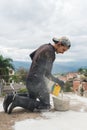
[(55, 89)]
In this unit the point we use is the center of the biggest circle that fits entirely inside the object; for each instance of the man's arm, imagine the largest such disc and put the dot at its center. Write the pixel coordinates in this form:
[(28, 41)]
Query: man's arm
[(49, 65), (52, 78)]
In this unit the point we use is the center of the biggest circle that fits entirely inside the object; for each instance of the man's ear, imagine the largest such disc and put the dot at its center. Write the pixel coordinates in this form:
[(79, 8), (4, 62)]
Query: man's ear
[(58, 44)]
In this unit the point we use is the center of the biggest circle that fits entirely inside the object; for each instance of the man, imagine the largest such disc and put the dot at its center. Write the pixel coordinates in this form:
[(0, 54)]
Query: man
[(41, 66)]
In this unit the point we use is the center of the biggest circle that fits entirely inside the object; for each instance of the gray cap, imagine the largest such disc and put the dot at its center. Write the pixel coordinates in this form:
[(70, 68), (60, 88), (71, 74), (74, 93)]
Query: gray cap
[(64, 40)]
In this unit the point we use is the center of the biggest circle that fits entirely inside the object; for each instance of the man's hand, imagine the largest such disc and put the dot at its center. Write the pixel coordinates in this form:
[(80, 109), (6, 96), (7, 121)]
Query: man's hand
[(61, 83)]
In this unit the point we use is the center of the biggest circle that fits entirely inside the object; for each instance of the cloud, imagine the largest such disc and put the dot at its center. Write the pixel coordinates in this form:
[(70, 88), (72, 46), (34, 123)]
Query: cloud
[(16, 53), (25, 25)]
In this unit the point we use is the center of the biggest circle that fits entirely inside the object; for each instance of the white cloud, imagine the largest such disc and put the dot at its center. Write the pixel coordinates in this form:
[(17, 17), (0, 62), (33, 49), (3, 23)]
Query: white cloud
[(16, 53), (25, 24)]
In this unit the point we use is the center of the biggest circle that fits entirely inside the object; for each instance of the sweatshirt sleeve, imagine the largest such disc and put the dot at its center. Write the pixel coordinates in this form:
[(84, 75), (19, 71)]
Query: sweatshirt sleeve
[(49, 65)]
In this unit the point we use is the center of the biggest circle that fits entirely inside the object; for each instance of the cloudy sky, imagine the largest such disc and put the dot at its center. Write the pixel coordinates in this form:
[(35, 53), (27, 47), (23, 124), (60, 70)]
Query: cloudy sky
[(27, 24)]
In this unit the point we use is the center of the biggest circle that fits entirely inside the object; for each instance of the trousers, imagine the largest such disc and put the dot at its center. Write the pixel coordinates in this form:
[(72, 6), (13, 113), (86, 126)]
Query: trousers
[(38, 92)]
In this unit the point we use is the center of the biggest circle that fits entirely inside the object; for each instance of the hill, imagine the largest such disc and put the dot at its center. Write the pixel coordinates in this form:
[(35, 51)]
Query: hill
[(58, 67)]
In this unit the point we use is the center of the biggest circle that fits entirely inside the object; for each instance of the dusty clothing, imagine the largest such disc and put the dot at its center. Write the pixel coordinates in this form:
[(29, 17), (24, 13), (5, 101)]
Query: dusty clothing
[(42, 62), (38, 97)]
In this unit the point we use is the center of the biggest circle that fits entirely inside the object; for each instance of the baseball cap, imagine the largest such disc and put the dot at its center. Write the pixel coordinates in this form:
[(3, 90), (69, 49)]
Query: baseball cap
[(64, 40)]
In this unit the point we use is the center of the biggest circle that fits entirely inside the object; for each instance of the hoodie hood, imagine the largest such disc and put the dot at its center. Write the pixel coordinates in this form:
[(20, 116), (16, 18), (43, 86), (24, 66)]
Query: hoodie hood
[(32, 54)]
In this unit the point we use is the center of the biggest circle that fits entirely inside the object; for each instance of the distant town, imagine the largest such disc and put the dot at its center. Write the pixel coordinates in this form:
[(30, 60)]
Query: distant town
[(14, 78)]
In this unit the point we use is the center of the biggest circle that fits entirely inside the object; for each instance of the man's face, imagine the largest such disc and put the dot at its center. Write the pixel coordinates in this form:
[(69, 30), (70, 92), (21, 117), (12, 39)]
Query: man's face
[(61, 49)]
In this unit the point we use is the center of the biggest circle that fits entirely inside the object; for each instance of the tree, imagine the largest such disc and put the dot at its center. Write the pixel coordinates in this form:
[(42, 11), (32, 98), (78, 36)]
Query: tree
[(83, 71), (21, 75), (68, 85), (80, 70), (5, 65)]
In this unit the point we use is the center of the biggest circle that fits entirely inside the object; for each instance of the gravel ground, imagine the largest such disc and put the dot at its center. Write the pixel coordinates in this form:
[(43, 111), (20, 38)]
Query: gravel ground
[(77, 104), (7, 121)]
